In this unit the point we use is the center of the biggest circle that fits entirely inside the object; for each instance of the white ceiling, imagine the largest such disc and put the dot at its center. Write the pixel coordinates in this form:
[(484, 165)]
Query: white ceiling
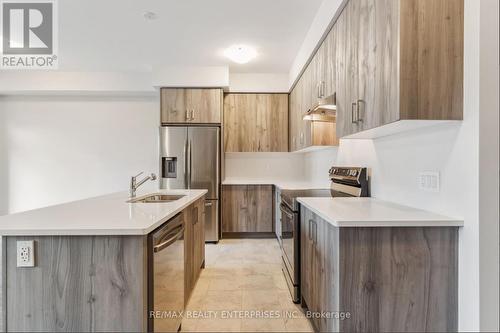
[(113, 35)]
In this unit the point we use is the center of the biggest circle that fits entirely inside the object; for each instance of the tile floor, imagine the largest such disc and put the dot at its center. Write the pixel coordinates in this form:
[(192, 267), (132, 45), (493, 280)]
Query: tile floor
[(242, 282)]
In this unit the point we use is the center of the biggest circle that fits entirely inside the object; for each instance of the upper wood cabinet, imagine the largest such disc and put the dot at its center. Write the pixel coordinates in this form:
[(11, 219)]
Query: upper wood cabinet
[(255, 122), (188, 105), (398, 60)]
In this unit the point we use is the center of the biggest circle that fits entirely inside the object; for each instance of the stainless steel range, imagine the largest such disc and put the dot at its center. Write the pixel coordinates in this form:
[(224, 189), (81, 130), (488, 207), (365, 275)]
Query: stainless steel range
[(346, 182)]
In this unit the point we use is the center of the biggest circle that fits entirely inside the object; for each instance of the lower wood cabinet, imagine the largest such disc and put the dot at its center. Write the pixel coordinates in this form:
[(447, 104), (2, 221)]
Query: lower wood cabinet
[(382, 279), (194, 245), (247, 209)]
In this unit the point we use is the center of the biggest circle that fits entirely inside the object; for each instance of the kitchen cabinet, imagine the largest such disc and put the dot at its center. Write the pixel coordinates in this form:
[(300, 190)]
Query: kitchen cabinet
[(247, 209), (387, 279), (255, 122), (313, 273), (277, 215), (317, 81), (400, 61), (191, 105), (194, 245)]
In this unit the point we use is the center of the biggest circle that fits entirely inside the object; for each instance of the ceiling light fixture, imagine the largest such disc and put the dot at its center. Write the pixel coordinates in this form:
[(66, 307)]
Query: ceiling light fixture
[(150, 16), (240, 54)]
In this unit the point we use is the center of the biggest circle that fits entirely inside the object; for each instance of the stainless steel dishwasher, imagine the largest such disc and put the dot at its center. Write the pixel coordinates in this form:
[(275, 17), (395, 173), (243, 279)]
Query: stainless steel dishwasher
[(166, 276)]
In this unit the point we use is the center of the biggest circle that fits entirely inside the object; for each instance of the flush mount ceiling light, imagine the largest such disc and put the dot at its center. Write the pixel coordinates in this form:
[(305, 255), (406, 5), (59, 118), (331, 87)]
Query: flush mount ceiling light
[(150, 16), (240, 54)]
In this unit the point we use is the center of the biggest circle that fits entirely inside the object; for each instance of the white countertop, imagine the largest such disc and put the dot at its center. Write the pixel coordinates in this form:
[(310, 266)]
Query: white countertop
[(282, 184), (371, 212), (103, 215)]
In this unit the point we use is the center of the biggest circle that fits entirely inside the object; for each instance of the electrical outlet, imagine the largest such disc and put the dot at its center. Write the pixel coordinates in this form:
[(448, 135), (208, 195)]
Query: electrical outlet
[(428, 181), (26, 253)]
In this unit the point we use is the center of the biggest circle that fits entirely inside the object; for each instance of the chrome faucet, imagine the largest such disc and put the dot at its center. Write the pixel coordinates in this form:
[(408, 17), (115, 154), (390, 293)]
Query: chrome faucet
[(134, 184)]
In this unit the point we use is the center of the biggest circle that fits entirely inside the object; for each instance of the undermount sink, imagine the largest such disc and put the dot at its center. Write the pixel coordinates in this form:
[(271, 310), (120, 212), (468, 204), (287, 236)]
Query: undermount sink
[(157, 198)]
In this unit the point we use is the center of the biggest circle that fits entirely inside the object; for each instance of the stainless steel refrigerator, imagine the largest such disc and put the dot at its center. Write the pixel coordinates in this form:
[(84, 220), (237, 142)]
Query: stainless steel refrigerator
[(190, 159)]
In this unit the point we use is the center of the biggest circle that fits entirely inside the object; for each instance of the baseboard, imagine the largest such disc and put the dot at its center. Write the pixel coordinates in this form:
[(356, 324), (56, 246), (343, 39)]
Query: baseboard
[(229, 235)]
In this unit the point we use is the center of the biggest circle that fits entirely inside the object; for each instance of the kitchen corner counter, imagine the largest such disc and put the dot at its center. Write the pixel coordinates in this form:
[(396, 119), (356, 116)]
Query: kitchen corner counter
[(103, 215), (371, 212)]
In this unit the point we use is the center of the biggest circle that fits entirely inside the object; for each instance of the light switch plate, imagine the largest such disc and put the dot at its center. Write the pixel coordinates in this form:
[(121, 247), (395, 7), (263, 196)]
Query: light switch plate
[(428, 181), (26, 253)]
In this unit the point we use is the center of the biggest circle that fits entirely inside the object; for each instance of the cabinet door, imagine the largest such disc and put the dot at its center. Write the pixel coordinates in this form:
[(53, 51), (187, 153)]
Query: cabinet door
[(330, 279), (205, 105), (330, 62), (188, 253), (247, 208), (293, 121), (347, 69), (378, 62), (272, 123), (256, 122), (297, 111), (173, 106), (306, 102), (319, 76), (306, 256)]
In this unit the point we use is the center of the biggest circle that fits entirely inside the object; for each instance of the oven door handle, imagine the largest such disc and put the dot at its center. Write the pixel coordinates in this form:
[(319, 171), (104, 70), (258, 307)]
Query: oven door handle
[(284, 209)]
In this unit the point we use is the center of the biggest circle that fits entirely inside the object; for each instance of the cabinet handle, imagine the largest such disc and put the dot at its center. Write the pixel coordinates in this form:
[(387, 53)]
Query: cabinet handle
[(315, 240), (358, 103), (310, 229), (187, 114), (322, 89), (353, 118), (192, 114)]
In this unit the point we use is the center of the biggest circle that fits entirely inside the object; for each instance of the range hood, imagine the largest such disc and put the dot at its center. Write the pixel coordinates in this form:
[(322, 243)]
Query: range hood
[(324, 110)]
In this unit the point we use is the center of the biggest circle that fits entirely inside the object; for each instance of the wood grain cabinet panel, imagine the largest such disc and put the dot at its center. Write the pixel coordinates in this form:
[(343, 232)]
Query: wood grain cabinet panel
[(388, 279), (247, 209), (191, 105), (79, 284), (194, 245), (398, 60), (256, 122)]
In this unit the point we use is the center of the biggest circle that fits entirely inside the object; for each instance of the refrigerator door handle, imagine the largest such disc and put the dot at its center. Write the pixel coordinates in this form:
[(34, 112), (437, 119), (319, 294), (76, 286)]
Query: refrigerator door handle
[(186, 152), (190, 159)]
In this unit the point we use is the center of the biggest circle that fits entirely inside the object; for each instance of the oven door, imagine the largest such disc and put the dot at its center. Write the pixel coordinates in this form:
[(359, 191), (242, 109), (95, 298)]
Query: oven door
[(290, 241)]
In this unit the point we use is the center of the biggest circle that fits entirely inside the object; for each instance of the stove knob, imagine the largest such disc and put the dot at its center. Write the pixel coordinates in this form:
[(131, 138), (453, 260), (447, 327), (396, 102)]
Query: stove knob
[(354, 173)]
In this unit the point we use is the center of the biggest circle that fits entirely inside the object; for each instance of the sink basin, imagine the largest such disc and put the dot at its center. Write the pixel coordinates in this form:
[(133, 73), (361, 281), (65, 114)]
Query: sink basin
[(156, 198)]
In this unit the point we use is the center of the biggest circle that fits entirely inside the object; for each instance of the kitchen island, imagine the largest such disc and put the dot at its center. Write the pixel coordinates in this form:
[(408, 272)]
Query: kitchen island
[(377, 266), (92, 269)]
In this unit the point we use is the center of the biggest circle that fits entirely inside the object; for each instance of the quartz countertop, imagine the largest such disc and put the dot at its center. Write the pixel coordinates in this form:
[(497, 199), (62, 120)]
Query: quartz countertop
[(372, 212), (282, 184), (103, 215)]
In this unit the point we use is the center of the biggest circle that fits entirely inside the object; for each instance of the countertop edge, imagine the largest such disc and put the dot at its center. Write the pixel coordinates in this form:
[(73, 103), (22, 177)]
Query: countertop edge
[(34, 232), (442, 222)]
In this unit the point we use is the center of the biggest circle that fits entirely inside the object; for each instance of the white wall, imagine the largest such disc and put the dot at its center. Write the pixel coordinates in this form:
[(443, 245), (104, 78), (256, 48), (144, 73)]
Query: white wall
[(264, 166), (489, 167), (317, 164), (56, 149), (258, 82)]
